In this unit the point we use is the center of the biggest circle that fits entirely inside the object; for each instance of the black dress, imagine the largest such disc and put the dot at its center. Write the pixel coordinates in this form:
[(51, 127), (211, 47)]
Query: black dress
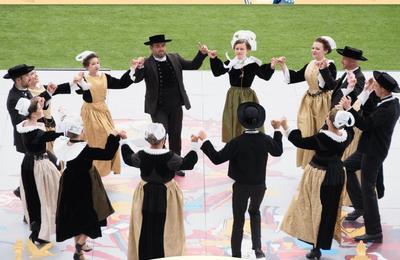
[(313, 214), (76, 212), (240, 92), (157, 170), (39, 179)]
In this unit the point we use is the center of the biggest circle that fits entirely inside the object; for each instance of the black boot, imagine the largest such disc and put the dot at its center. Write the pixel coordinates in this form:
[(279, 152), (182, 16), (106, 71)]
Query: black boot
[(259, 253), (34, 236), (315, 253), (78, 255)]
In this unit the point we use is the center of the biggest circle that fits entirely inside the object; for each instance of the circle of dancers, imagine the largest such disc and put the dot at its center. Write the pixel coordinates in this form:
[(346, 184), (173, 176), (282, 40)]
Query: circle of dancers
[(343, 135)]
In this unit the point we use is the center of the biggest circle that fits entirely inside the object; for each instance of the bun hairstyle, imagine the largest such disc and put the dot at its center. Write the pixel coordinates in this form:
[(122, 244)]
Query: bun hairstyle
[(241, 41), (155, 133), (33, 107), (325, 44), (341, 119), (86, 60)]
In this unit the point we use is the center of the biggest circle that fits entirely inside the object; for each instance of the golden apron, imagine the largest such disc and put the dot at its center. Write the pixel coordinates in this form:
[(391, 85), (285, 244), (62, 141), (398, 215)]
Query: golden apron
[(314, 107), (98, 123), (174, 232)]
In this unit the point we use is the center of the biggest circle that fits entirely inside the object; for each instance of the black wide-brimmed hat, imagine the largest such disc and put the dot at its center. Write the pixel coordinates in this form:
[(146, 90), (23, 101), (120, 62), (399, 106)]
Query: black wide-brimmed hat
[(386, 81), (157, 39), (18, 71), (251, 115), (352, 53)]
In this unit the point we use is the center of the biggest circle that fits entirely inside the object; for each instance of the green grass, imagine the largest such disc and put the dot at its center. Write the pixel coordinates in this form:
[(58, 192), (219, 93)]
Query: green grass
[(51, 36)]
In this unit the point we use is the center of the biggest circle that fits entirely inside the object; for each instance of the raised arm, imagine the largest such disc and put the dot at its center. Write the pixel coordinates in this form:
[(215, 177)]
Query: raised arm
[(193, 64), (124, 82), (103, 154), (129, 156)]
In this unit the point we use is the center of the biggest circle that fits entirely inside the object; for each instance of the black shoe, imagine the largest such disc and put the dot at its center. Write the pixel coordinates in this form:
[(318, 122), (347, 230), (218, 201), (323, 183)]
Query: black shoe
[(24, 220), (354, 215), (34, 237), (78, 255), (17, 192), (259, 253), (180, 173), (377, 238), (315, 253)]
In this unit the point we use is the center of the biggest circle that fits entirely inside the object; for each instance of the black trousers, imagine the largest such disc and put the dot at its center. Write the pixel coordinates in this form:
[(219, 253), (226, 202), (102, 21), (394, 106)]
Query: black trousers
[(240, 197), (364, 197), (172, 122)]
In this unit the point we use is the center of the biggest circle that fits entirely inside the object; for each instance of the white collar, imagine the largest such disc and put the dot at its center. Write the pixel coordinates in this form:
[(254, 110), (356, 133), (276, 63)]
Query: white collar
[(155, 151), (335, 137), (238, 64), (65, 152), (251, 131), (25, 129), (160, 59), (386, 99)]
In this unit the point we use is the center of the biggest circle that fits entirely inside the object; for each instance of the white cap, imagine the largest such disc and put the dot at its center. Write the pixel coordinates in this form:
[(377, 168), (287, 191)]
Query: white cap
[(343, 118), (22, 106), (155, 129), (247, 35), (81, 56), (331, 41), (70, 124)]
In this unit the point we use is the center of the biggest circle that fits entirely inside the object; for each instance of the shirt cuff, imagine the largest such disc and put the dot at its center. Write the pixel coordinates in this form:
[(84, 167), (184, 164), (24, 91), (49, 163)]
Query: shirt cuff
[(286, 75), (346, 91), (132, 74), (84, 85), (288, 131), (363, 97), (321, 81), (195, 146), (123, 141)]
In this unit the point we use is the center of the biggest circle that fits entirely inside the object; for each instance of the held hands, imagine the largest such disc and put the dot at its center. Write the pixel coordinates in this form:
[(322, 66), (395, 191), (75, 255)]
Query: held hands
[(369, 85), (202, 135), (276, 124), (194, 138), (120, 133), (137, 63), (274, 61), (51, 88), (212, 54), (345, 103), (351, 80), (202, 48), (78, 77)]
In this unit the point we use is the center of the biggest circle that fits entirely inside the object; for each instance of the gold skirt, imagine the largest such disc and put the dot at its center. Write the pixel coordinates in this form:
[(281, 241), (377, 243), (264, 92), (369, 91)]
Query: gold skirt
[(303, 216), (231, 126), (310, 118), (98, 125), (174, 232)]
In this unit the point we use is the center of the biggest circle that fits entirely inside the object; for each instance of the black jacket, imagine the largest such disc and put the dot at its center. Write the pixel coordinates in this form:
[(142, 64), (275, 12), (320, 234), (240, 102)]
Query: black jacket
[(377, 127), (247, 155), (337, 85), (150, 74)]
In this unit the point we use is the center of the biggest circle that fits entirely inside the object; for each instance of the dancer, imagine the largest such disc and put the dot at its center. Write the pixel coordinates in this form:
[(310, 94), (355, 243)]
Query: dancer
[(97, 120), (372, 150), (156, 228), (247, 155), (242, 70), (314, 213), (40, 177), (165, 91), (316, 102), (83, 205)]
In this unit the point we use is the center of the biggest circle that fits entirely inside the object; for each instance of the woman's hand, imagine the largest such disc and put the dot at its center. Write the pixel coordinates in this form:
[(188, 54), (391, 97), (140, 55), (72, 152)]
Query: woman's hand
[(212, 54)]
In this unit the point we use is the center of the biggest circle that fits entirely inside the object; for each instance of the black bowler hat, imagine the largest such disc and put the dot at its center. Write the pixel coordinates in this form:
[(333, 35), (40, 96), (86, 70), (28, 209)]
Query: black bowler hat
[(352, 53), (251, 115), (157, 39), (386, 81), (18, 71)]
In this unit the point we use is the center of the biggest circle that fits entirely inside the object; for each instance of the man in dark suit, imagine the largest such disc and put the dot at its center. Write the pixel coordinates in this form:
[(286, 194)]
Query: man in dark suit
[(22, 77), (165, 92), (350, 62), (372, 150)]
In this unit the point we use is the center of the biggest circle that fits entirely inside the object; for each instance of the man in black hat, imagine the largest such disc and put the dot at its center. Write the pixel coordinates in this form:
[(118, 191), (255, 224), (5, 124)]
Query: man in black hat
[(372, 150), (248, 156), (350, 62), (21, 76), (165, 92)]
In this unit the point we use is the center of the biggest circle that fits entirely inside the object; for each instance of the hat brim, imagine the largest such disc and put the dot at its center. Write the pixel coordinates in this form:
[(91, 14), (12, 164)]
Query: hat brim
[(377, 74), (150, 42), (242, 118), (341, 52), (28, 69)]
